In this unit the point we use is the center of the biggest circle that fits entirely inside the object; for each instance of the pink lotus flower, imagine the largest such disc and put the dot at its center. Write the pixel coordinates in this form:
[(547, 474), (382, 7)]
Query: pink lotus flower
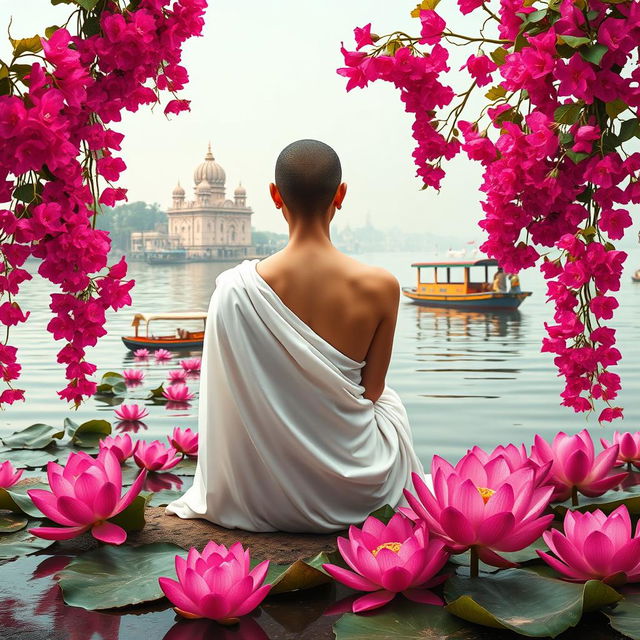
[(184, 441), (178, 393), (575, 466), (389, 559), (133, 375), (141, 353), (155, 456), (191, 364), (8, 475), (162, 355), (131, 412), (628, 447), (84, 495), (121, 446), (216, 583), (515, 458), (485, 509), (177, 375), (595, 547)]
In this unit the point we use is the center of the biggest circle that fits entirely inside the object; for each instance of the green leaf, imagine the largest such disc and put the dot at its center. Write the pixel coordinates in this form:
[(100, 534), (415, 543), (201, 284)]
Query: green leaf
[(22, 543), (132, 518), (186, 467), (499, 56), (27, 192), (87, 4), (111, 383), (615, 108), (568, 113), (49, 31), (594, 53), (404, 620), (495, 93), (10, 523), (24, 45), (384, 514), (628, 129), (111, 577), (163, 498), (29, 458), (302, 574), (17, 500), (89, 433), (575, 41), (35, 436), (576, 157), (525, 602), (606, 503), (91, 26), (625, 617), (157, 392), (565, 138)]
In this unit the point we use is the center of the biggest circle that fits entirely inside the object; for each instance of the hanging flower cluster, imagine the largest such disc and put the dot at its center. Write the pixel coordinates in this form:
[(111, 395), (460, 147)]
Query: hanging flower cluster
[(58, 162), (557, 176)]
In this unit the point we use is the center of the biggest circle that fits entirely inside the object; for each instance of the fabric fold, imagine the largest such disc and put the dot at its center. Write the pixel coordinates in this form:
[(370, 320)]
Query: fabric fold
[(286, 440)]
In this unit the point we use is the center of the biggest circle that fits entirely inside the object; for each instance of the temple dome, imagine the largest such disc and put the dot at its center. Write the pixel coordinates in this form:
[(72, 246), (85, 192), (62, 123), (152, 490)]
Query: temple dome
[(240, 190), (210, 171), (203, 186), (178, 191)]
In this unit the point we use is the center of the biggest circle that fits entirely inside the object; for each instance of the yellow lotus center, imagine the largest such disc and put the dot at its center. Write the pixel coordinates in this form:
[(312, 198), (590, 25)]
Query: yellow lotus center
[(485, 493), (392, 546)]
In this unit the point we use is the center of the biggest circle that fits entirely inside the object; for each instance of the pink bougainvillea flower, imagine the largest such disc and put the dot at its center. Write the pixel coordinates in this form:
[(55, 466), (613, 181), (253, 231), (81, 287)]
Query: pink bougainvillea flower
[(486, 509), (162, 355), (8, 475), (131, 412), (121, 446), (595, 547), (191, 364), (184, 441), (216, 583), (432, 27), (575, 466), (84, 494), (178, 393), (177, 376), (155, 456), (398, 557), (141, 353), (133, 375), (628, 447), (362, 36)]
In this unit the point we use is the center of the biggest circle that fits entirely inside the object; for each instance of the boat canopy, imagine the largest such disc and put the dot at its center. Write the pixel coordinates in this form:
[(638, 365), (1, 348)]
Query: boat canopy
[(484, 262), (185, 315)]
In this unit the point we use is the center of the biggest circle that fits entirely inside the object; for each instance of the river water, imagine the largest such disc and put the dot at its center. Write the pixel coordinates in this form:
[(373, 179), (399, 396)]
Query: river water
[(465, 377)]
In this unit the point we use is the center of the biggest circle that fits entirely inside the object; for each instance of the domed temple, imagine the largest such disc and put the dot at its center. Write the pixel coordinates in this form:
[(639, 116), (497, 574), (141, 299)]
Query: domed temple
[(207, 227)]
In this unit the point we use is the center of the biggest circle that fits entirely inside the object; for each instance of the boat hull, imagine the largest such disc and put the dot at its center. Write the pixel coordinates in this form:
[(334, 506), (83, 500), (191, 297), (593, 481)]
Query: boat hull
[(472, 301), (132, 343)]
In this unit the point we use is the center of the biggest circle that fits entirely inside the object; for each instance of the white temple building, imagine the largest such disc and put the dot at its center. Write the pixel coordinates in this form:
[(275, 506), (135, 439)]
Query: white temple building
[(209, 226)]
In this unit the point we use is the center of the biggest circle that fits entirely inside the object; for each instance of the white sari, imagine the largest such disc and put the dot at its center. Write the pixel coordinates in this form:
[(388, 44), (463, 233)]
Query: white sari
[(286, 440)]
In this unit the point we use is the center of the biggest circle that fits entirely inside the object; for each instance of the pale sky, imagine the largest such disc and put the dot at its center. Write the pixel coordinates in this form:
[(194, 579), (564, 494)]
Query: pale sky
[(263, 75)]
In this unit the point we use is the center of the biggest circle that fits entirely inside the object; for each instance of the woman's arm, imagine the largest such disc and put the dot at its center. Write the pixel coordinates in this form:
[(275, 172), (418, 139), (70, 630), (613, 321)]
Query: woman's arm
[(379, 353)]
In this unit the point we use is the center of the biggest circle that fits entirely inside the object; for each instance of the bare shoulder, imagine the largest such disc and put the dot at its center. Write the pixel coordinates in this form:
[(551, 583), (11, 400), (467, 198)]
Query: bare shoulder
[(375, 281)]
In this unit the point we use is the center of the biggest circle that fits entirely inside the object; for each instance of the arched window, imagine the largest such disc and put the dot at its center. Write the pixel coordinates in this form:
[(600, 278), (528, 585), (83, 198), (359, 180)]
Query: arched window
[(222, 226), (232, 233)]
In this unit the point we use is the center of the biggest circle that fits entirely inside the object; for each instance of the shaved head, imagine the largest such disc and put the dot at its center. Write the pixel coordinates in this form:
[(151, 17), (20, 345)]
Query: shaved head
[(308, 174)]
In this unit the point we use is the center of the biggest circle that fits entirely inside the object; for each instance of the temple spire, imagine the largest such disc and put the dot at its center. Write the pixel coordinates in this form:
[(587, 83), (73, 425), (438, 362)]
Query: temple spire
[(209, 155)]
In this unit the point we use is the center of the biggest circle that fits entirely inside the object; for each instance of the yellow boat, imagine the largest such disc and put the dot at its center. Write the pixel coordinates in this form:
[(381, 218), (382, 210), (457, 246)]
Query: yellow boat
[(442, 291)]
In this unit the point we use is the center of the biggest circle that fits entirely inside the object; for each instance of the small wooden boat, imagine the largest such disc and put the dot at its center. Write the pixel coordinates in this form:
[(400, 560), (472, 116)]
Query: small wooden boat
[(465, 294), (181, 339), (166, 256)]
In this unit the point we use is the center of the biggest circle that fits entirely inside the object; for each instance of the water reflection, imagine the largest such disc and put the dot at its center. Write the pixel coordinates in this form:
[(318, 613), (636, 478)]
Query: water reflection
[(246, 629)]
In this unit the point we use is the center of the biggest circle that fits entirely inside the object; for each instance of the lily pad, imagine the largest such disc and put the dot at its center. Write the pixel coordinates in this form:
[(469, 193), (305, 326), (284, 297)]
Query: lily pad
[(35, 436), (10, 523), (111, 383), (606, 503), (157, 392), (525, 602), (404, 620), (132, 518), (88, 434), (300, 575), (384, 514), (163, 498), (112, 577), (17, 500), (186, 467), (22, 543), (625, 617), (30, 458)]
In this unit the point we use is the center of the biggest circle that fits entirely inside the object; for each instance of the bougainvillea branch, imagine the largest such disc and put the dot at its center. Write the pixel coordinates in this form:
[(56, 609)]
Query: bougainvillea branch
[(58, 163), (552, 139)]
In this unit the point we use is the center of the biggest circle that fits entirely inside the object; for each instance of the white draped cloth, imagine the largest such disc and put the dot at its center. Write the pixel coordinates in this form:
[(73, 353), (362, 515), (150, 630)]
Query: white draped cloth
[(287, 442)]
